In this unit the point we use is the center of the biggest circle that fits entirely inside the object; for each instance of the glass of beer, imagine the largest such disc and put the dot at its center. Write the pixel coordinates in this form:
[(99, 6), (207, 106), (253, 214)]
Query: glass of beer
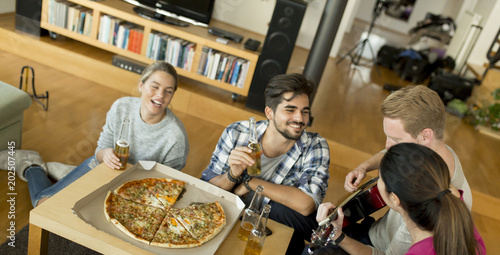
[(247, 223), (122, 152), (122, 146), (251, 214)]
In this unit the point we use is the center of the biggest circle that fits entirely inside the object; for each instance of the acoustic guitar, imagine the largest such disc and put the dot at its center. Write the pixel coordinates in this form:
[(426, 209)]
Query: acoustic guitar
[(359, 205)]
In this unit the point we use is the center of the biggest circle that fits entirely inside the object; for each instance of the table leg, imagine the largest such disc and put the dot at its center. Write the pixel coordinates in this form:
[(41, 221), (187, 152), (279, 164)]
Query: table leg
[(38, 240)]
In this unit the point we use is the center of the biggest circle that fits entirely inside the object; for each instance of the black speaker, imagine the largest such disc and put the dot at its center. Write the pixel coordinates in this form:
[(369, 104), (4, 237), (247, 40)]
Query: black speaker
[(277, 49), (28, 15)]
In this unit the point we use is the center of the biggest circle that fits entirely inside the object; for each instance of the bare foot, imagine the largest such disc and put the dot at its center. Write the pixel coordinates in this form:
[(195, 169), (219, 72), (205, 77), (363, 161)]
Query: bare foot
[(42, 200)]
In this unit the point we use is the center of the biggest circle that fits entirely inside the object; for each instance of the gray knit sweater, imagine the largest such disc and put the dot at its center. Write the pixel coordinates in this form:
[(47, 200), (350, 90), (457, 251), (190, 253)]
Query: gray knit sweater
[(165, 142)]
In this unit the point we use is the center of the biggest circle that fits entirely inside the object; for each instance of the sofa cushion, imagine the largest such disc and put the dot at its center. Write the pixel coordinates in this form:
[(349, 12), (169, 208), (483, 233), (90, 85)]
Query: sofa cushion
[(13, 101)]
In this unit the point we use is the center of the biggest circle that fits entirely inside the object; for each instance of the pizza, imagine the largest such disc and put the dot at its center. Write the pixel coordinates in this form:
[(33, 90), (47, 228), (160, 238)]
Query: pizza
[(142, 209)]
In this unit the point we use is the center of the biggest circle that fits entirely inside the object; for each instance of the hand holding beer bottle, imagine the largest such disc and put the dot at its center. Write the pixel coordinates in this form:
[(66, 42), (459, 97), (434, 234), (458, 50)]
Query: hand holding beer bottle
[(254, 145), (122, 145)]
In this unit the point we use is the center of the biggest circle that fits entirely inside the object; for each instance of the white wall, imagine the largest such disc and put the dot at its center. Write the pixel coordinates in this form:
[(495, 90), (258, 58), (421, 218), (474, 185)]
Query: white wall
[(483, 8), (490, 30), (7, 6)]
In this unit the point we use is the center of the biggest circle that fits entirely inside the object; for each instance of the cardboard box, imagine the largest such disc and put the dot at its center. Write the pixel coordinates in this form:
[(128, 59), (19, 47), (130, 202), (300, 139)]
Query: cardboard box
[(91, 207)]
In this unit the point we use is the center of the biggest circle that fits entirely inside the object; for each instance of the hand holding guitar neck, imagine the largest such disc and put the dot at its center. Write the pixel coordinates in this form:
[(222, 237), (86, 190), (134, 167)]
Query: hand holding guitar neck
[(360, 204), (364, 192)]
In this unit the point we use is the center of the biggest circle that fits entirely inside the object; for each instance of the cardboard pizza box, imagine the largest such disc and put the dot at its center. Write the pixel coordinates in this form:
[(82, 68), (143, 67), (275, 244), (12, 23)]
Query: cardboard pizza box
[(91, 207)]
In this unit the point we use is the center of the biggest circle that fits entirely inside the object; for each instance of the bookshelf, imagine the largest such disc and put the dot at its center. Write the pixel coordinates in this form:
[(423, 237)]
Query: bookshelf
[(193, 51)]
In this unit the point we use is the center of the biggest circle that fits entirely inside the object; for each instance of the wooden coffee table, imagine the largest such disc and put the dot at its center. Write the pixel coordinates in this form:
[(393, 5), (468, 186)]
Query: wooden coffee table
[(56, 215)]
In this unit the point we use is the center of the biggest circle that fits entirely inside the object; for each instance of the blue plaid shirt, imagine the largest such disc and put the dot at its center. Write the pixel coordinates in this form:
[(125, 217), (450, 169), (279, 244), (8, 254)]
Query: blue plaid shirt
[(305, 165)]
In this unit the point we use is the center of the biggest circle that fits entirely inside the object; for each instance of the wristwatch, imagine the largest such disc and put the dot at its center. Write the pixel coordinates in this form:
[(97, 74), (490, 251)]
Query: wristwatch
[(245, 178)]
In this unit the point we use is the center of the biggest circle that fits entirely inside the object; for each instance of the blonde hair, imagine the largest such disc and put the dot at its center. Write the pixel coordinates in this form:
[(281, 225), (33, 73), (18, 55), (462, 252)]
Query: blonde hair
[(418, 108), (160, 66)]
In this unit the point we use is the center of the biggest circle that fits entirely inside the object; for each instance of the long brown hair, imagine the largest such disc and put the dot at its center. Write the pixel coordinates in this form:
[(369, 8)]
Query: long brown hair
[(421, 180)]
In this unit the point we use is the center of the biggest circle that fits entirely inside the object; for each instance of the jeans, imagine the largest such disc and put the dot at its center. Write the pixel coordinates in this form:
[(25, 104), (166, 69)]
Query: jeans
[(40, 186)]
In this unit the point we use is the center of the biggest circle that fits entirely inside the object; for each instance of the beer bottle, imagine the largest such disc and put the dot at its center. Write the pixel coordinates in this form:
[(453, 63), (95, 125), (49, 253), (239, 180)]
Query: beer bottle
[(122, 145), (254, 145), (251, 214), (258, 234)]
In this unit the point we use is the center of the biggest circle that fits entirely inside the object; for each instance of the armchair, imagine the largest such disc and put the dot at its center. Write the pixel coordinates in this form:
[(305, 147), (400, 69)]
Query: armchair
[(13, 102)]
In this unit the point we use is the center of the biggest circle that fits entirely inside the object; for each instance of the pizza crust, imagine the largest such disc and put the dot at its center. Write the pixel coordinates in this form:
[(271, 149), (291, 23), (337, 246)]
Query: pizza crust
[(177, 246)]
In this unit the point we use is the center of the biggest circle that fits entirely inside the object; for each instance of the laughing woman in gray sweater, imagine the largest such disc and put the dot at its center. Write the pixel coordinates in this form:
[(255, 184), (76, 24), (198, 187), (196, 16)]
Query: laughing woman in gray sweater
[(155, 134)]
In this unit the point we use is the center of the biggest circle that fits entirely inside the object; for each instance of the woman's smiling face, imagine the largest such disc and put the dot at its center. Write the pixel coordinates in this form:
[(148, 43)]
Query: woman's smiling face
[(157, 92)]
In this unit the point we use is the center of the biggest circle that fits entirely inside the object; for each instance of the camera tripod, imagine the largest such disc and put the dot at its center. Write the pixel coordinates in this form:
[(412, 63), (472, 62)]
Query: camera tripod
[(355, 53)]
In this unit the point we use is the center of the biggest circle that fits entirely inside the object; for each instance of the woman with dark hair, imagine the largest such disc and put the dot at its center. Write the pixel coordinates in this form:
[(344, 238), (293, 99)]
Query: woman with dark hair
[(415, 182)]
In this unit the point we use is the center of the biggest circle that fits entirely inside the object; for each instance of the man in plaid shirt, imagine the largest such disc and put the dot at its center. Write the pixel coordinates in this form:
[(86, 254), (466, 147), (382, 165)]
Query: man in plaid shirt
[(294, 162)]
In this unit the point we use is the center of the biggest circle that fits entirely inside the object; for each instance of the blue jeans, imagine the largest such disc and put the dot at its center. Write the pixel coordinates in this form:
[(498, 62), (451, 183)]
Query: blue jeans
[(40, 186)]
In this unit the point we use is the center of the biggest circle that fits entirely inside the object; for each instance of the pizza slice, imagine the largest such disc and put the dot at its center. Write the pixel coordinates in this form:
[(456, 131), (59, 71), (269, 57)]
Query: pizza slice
[(138, 221), (172, 234), (212, 211), (137, 191), (202, 228), (167, 191)]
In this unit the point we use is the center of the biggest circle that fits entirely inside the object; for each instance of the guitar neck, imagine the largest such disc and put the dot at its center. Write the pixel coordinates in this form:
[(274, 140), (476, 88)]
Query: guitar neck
[(333, 215), (361, 188)]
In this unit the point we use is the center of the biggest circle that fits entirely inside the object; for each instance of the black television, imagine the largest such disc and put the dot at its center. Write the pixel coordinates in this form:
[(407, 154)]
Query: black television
[(196, 12)]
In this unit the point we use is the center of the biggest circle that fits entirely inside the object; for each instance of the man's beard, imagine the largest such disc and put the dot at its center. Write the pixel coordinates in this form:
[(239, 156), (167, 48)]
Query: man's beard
[(286, 133)]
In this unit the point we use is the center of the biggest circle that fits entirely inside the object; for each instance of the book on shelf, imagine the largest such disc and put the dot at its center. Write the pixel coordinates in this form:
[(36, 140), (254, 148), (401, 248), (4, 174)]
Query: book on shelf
[(175, 51), (215, 65), (163, 43), (58, 12), (71, 18), (203, 61), (120, 36), (231, 71), (131, 40), (76, 18), (210, 60), (150, 45), (135, 40), (221, 67), (104, 28), (182, 54), (88, 23), (191, 48), (244, 70), (81, 21), (236, 72), (114, 27)]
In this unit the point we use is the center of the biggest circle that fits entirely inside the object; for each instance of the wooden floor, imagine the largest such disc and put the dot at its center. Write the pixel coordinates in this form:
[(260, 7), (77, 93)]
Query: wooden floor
[(345, 111)]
